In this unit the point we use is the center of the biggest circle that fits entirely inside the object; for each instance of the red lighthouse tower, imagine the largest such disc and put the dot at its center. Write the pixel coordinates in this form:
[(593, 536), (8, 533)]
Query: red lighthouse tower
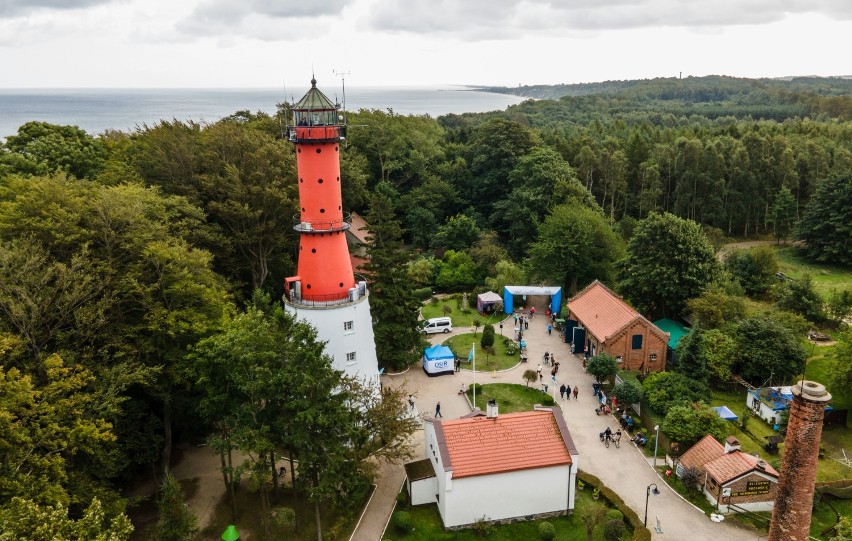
[(325, 270), (324, 292)]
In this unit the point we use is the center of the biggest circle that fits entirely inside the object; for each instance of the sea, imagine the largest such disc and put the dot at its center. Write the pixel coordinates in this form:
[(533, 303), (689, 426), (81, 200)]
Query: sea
[(128, 109)]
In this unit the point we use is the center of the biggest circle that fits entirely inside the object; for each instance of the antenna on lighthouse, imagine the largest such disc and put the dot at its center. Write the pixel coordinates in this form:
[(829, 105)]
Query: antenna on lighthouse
[(342, 75)]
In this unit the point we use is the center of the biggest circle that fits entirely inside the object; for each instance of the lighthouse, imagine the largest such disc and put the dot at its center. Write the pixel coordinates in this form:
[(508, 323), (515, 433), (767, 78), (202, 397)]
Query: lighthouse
[(325, 292)]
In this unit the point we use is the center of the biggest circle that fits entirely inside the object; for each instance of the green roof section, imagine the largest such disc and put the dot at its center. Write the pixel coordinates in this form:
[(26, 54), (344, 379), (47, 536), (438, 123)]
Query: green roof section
[(676, 330), (314, 100)]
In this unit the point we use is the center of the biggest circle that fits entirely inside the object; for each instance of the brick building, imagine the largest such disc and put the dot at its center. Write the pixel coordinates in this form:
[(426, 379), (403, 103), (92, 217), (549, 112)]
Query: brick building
[(791, 520), (613, 327), (731, 477)]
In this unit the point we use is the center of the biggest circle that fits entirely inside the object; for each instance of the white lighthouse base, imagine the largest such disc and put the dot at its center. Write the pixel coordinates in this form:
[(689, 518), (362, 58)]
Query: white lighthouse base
[(347, 330)]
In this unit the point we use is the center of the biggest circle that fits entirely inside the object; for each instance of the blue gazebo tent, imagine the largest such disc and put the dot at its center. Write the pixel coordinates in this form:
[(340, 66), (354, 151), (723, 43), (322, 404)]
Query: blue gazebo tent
[(438, 360), (509, 292), (725, 413)]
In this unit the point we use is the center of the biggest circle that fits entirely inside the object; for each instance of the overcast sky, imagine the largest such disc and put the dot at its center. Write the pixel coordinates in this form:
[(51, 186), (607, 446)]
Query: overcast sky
[(268, 43)]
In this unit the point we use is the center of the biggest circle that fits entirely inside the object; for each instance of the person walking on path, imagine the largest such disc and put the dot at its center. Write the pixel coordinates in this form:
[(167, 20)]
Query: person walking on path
[(539, 371), (438, 410), (576, 390), (526, 324), (549, 329), (562, 391)]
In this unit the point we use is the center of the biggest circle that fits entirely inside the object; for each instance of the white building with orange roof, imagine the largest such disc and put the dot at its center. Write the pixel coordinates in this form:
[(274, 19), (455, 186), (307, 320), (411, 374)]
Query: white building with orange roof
[(496, 467)]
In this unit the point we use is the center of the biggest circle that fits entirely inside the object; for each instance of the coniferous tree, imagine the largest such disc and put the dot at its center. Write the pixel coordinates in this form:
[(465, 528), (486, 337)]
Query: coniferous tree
[(392, 301), (826, 226), (690, 356)]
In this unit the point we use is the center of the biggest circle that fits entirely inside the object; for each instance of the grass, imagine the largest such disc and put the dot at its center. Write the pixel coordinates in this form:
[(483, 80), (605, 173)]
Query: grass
[(510, 397), (819, 369), (428, 526), (500, 360), (824, 517), (337, 525), (436, 308), (827, 278)]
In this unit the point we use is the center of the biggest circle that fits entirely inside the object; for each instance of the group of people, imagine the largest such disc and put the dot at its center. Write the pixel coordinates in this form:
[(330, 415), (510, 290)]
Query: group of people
[(565, 390), (626, 422), (609, 435)]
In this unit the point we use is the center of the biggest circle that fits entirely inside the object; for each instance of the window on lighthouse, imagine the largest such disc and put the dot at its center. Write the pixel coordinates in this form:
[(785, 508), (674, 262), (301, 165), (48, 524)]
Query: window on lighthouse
[(350, 357), (348, 326)]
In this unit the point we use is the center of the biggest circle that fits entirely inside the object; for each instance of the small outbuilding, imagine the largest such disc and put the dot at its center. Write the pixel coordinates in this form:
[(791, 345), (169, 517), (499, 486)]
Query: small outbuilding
[(730, 477), (488, 302), (612, 326), (501, 467)]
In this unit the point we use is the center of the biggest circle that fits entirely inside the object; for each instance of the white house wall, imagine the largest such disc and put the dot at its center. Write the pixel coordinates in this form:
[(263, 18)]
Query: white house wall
[(423, 491), (329, 323), (505, 495)]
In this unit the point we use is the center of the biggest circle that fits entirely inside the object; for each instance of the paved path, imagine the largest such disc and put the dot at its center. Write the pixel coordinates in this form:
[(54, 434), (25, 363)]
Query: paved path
[(624, 470)]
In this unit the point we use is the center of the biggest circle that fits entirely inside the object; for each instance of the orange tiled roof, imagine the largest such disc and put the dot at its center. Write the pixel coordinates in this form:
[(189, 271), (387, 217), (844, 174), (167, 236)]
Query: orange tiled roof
[(358, 227), (734, 464), (509, 442), (603, 313), (706, 450)]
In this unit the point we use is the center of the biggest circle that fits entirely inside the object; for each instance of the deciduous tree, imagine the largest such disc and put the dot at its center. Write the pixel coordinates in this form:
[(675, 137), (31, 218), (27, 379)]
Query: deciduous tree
[(575, 245), (768, 350), (669, 261)]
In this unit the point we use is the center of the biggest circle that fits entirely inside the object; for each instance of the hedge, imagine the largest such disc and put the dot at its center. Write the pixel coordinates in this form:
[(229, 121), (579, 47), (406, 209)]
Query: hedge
[(640, 532)]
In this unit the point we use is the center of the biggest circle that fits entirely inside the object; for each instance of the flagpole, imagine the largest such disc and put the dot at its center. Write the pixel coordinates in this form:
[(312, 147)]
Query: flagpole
[(473, 353)]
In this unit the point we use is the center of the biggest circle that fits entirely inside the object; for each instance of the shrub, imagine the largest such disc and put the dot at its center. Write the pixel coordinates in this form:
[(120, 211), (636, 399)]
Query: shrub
[(628, 392), (690, 478), (666, 389), (614, 529), (546, 531), (283, 519), (615, 514), (547, 400), (403, 522), (640, 532), (530, 376), (423, 293), (482, 527)]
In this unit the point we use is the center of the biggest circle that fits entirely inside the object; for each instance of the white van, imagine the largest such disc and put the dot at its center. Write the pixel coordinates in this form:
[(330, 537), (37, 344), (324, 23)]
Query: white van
[(436, 325)]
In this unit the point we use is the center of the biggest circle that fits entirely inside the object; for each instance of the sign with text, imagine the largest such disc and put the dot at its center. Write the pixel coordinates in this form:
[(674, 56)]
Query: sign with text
[(753, 488)]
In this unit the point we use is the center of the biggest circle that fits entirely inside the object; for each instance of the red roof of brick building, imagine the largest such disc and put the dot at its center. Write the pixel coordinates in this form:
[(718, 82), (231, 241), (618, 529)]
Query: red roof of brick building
[(514, 441), (604, 313), (358, 227), (710, 455)]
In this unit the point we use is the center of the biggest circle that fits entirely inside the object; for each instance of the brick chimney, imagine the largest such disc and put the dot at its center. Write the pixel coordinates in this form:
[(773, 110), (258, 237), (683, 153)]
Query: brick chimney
[(732, 444), (791, 517)]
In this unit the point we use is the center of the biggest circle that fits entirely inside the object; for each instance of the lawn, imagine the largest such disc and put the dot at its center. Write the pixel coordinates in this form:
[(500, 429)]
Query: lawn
[(336, 525), (427, 527), (818, 369), (510, 397), (485, 362), (827, 278), (451, 307), (824, 517)]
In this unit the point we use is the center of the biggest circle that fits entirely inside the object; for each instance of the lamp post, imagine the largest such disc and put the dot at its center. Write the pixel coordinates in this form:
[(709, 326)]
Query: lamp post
[(501, 328), (656, 445), (647, 495)]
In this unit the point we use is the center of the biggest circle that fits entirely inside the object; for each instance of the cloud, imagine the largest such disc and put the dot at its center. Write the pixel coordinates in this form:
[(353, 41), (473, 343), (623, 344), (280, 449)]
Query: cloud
[(14, 8), (214, 17), (504, 19)]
